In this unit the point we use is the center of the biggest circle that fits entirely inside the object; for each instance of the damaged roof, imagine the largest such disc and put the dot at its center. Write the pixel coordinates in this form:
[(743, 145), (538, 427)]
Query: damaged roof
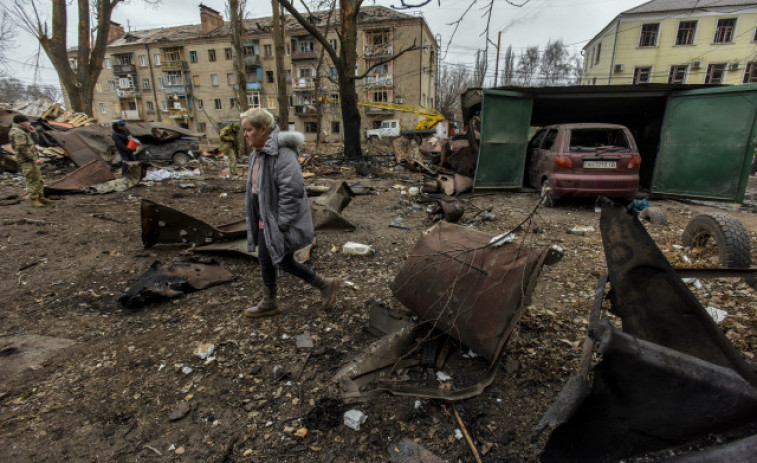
[(367, 15), (660, 6)]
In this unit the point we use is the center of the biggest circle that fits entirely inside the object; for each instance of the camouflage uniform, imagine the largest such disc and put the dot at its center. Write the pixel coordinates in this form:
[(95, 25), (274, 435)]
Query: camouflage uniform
[(229, 144), (22, 142)]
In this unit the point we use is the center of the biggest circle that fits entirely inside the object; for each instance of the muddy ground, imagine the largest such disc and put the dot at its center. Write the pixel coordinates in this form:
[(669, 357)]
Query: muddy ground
[(85, 380)]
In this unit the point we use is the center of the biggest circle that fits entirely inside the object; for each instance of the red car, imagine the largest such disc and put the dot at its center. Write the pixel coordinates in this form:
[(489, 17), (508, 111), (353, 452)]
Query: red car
[(583, 160)]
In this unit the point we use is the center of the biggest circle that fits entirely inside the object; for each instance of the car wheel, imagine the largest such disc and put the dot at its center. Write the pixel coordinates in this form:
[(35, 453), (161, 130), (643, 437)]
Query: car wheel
[(181, 159), (547, 198), (722, 235)]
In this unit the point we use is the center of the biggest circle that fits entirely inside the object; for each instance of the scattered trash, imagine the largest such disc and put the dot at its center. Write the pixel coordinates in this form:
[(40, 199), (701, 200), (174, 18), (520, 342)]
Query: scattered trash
[(302, 432), (716, 314), (304, 341), (354, 418), (692, 281), (279, 373), (458, 434), (443, 377), (397, 223), (499, 240), (186, 370), (581, 230), (204, 350), (407, 451), (351, 285), (351, 248), (413, 191), (180, 411), (383, 320)]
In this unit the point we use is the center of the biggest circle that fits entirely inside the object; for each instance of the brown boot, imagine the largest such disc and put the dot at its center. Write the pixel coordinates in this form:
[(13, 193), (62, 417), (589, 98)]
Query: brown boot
[(36, 203), (327, 287), (267, 306), (44, 200)]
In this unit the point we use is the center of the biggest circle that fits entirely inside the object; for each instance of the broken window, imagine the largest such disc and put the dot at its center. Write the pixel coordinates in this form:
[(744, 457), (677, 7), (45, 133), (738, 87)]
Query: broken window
[(715, 74), (724, 30), (196, 80), (750, 75), (217, 102), (686, 30), (677, 74), (642, 75), (649, 35), (227, 53), (267, 51), (174, 78), (269, 77), (211, 55), (192, 56)]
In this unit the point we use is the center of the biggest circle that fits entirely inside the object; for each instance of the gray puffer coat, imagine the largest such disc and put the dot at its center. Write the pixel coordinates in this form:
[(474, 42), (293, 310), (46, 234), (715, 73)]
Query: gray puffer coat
[(282, 201)]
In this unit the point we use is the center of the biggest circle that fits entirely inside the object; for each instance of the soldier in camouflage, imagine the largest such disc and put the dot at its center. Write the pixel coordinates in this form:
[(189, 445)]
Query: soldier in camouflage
[(229, 143), (23, 140)]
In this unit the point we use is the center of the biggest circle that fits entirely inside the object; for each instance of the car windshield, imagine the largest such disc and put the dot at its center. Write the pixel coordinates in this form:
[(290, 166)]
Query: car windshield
[(598, 139)]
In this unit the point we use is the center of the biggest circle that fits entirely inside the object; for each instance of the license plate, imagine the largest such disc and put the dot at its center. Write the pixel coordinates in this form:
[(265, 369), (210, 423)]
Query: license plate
[(599, 164)]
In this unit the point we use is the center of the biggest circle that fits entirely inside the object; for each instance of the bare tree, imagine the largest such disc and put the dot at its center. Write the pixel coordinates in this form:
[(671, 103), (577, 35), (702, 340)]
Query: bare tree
[(6, 38), (79, 77), (345, 62), (555, 67), (456, 79), (13, 90), (278, 47), (236, 30), (528, 64)]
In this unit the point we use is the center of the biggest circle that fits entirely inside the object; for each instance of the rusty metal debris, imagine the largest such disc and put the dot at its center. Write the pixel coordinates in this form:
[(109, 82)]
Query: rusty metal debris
[(163, 282), (670, 379), (165, 225), (93, 173), (85, 144), (458, 285)]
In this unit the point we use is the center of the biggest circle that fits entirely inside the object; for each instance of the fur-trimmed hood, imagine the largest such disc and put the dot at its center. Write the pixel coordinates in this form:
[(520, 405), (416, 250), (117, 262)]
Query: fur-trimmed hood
[(278, 139), (291, 139)]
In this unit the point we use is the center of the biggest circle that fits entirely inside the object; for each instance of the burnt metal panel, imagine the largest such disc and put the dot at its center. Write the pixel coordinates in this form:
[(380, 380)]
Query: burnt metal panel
[(163, 224), (93, 173)]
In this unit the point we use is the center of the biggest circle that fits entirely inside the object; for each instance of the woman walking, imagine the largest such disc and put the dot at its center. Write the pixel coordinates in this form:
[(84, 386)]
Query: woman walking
[(277, 210)]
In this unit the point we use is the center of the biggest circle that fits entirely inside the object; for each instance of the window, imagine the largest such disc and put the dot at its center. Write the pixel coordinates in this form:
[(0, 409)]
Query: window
[(599, 52), (161, 84), (750, 75), (334, 126), (146, 83), (199, 104), (642, 75), (102, 108), (230, 78), (724, 30), (164, 106), (202, 126), (311, 127), (649, 35), (217, 103), (232, 103), (211, 55), (332, 74), (715, 74), (381, 96), (267, 51), (305, 72), (549, 139), (686, 30), (272, 102), (107, 63), (227, 53), (192, 56), (214, 80), (142, 61), (156, 59), (334, 44), (73, 63), (150, 107), (269, 77), (196, 80), (174, 78), (677, 74), (253, 100), (112, 85)]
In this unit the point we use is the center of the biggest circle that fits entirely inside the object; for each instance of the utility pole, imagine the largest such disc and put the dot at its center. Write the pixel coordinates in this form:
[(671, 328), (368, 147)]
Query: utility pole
[(496, 63), (278, 45)]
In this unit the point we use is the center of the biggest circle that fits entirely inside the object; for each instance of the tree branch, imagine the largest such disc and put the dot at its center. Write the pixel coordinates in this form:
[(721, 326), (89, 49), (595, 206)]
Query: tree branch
[(312, 30), (413, 47)]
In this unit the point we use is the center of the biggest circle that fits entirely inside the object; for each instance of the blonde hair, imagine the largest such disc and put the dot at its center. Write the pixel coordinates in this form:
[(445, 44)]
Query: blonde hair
[(259, 118)]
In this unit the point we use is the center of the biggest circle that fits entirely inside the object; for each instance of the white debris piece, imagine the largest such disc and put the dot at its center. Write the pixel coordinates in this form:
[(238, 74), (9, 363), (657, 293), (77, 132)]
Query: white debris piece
[(186, 370), (204, 350), (354, 418), (443, 377), (501, 239), (716, 314), (417, 404), (581, 230), (458, 434), (693, 282)]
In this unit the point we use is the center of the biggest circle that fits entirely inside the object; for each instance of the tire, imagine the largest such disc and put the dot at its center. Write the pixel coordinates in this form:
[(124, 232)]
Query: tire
[(547, 198), (730, 236), (181, 158), (655, 215)]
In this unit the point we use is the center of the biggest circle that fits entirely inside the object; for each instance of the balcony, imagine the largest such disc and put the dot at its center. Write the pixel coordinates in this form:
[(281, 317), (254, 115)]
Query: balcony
[(251, 60), (174, 65), (378, 81), (253, 85), (303, 83), (377, 51), (300, 55), (125, 92), (175, 89), (124, 69), (378, 111), (130, 115), (305, 110), (178, 113)]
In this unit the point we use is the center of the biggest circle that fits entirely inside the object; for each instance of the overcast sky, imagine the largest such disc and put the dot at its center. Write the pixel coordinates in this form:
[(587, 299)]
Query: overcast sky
[(537, 22)]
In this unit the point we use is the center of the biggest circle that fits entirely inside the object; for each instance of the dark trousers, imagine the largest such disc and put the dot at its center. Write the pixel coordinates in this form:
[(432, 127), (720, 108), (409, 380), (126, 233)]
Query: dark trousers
[(288, 264), (130, 157)]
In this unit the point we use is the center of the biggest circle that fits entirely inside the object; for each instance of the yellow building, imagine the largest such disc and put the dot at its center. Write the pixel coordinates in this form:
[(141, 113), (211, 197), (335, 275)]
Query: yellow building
[(676, 42)]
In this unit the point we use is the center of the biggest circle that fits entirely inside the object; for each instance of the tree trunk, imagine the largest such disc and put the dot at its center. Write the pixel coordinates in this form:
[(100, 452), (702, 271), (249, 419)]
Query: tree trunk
[(278, 45), (236, 15), (348, 10)]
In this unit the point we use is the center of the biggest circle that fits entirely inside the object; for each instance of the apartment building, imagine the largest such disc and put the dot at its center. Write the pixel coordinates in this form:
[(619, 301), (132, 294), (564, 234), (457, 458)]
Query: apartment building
[(186, 75), (676, 42)]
